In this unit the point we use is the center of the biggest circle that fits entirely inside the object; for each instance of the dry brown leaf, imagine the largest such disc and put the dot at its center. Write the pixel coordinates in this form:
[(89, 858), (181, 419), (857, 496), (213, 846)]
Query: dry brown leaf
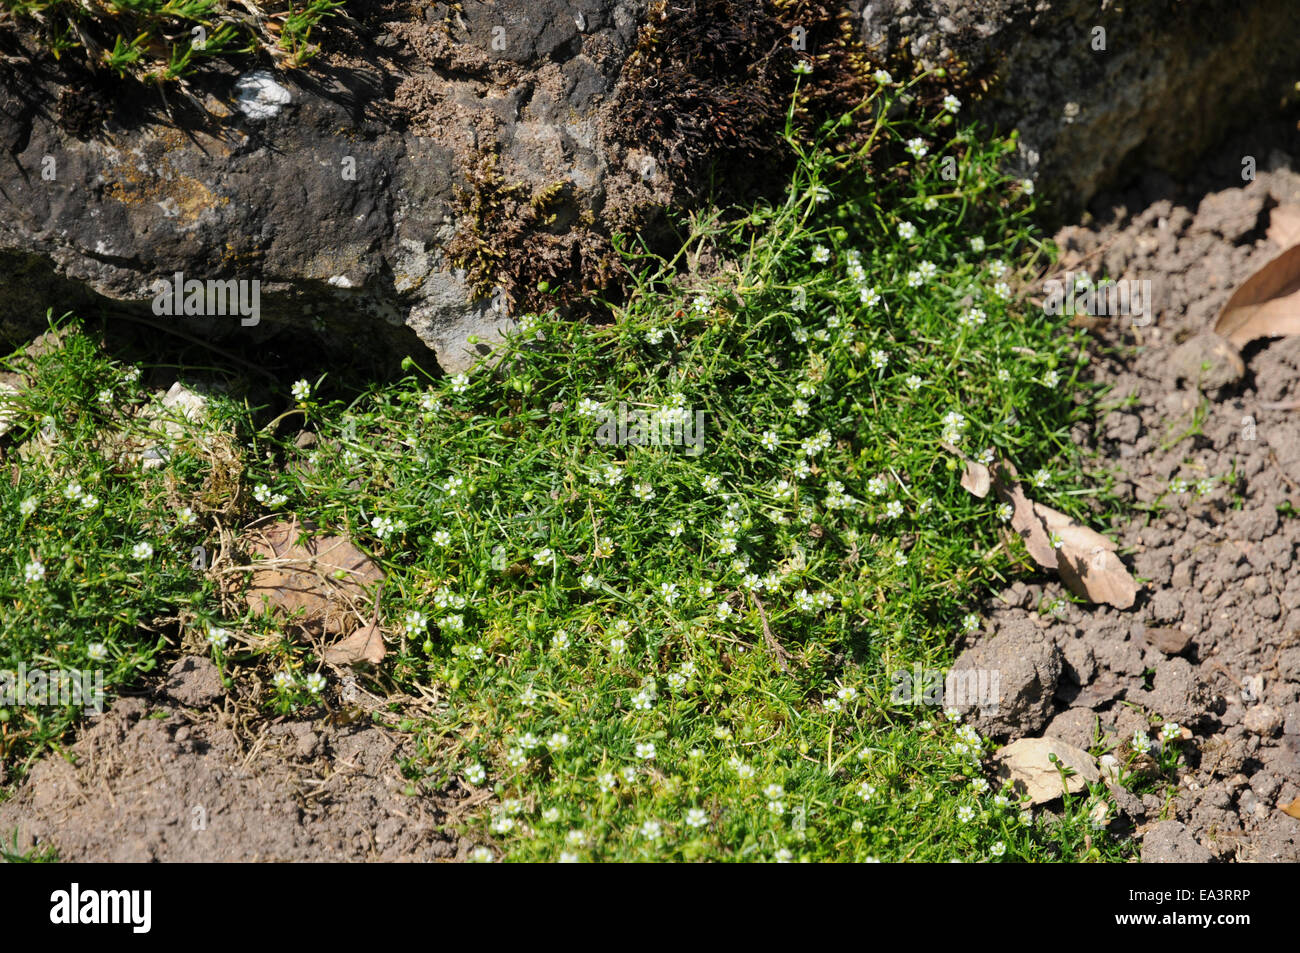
[(1075, 534), (318, 581), (1266, 305), (1098, 576), (1284, 226), (1293, 809), (1085, 559), (1024, 519), (364, 645), (976, 479)]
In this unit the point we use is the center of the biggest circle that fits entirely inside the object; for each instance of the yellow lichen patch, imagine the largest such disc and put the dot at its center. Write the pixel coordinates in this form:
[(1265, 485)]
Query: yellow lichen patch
[(143, 175)]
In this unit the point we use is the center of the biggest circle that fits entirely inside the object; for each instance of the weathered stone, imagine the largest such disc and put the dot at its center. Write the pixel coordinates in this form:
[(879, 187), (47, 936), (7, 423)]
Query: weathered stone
[(1028, 764), (1166, 86)]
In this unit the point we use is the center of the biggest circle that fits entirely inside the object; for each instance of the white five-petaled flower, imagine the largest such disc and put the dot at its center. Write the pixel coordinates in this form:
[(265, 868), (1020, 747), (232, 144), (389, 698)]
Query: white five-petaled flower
[(34, 571), (97, 651), (301, 390), (141, 551), (917, 147), (951, 103), (315, 683)]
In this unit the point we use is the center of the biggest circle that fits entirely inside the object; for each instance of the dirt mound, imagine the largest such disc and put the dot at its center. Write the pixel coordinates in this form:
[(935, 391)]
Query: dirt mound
[(163, 783), (1214, 640)]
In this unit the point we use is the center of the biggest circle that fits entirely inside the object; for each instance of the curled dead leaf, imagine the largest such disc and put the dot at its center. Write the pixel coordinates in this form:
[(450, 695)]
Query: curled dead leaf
[(1292, 809), (366, 645), (1085, 559), (976, 479), (1266, 305), (317, 581)]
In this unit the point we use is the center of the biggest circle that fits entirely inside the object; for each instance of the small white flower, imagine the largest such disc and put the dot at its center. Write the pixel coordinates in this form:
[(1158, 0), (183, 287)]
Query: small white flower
[(544, 557), (1051, 379), (1170, 731), (315, 683), (34, 571), (906, 231), (951, 103), (651, 830), (301, 390), (917, 147), (28, 506), (913, 382), (965, 813), (185, 517), (218, 637), (696, 818), (977, 244), (558, 741), (460, 383), (282, 680), (475, 773), (415, 622), (882, 77), (645, 750), (654, 336), (820, 255), (1027, 186), (142, 551), (97, 651), (998, 849), (803, 68)]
